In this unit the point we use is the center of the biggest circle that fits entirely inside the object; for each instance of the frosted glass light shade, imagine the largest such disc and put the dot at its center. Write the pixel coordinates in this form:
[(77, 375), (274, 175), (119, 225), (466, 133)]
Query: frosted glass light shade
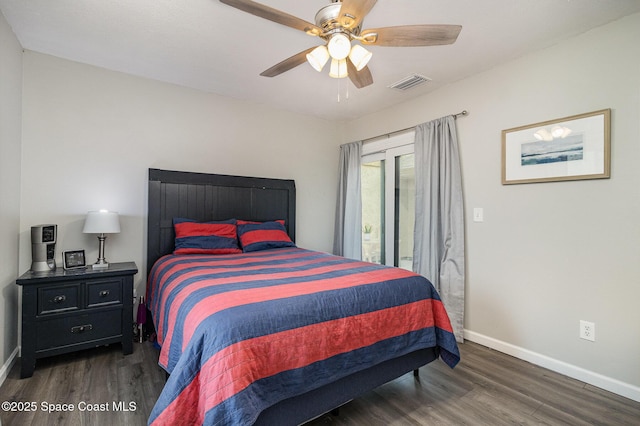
[(102, 222), (338, 68), (318, 57), (359, 56), (339, 46)]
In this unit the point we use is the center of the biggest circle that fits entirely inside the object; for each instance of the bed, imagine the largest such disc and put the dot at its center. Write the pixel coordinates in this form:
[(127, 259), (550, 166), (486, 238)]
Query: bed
[(272, 333)]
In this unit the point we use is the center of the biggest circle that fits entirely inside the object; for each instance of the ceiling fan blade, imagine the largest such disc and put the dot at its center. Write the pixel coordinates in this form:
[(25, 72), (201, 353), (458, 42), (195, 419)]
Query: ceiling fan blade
[(412, 35), (360, 78), (352, 12), (274, 15), (287, 64)]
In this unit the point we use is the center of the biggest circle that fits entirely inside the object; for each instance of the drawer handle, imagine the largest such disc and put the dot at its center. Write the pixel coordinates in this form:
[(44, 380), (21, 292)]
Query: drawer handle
[(81, 328), (104, 293), (59, 299)]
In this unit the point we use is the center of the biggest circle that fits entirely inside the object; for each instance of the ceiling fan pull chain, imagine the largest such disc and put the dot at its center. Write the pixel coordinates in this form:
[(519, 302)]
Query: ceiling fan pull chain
[(346, 92)]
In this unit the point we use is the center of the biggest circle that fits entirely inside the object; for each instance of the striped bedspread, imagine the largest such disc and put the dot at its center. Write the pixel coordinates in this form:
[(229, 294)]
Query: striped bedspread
[(241, 332)]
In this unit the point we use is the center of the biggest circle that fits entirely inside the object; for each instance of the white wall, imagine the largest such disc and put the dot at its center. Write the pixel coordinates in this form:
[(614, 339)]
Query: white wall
[(549, 254), (90, 135), (10, 134)]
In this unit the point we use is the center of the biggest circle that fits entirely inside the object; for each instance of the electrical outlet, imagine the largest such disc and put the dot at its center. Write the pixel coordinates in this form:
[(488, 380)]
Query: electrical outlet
[(587, 330)]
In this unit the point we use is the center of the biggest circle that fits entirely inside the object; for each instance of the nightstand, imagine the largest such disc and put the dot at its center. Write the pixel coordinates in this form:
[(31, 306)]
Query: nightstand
[(70, 310)]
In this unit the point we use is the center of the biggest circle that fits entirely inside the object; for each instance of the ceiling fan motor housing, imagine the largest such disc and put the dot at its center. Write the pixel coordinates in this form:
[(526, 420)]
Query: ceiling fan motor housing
[(327, 19)]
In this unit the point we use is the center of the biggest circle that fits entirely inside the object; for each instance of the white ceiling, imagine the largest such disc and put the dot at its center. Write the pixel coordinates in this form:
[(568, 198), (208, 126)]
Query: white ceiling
[(210, 46)]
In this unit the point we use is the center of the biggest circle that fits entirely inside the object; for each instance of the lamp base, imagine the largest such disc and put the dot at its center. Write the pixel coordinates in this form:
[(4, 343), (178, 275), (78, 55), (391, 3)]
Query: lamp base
[(100, 265), (102, 262)]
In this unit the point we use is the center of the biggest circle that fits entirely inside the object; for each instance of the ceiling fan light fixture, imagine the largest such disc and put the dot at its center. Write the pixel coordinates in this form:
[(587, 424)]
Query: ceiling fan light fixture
[(318, 57), (338, 24), (339, 46), (359, 56), (338, 68)]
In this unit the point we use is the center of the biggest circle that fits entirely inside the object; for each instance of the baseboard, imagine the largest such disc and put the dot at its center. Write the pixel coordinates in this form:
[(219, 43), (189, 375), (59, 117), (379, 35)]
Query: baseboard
[(607, 383), (4, 371)]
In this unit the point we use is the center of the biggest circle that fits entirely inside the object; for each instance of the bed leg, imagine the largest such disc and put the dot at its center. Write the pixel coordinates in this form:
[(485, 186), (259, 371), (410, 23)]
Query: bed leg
[(416, 373)]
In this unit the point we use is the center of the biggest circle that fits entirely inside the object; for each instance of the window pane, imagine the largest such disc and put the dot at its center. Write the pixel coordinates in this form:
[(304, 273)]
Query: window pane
[(372, 182), (405, 189)]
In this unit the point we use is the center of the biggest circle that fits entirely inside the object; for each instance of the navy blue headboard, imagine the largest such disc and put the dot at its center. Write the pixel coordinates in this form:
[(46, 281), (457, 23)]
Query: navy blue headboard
[(205, 197)]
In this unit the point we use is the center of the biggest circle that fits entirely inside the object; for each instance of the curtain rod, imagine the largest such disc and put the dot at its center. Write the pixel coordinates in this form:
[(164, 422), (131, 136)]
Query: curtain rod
[(461, 113)]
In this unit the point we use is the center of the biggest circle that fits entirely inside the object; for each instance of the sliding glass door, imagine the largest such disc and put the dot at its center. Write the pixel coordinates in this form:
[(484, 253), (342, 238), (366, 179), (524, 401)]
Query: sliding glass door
[(373, 224), (388, 206)]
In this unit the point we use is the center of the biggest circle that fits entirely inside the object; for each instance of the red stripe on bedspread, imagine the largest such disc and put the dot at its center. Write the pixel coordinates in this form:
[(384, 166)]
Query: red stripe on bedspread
[(234, 368), (212, 304), (176, 263), (167, 288)]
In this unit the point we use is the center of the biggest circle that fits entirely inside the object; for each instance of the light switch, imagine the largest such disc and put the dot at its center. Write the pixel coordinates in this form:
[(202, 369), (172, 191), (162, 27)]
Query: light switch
[(478, 214)]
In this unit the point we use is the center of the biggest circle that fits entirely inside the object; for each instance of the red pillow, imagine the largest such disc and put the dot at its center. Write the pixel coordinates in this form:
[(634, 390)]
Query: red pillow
[(205, 237)]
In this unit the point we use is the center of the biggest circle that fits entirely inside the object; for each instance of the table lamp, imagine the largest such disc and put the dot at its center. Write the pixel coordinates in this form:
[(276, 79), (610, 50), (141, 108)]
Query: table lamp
[(101, 222)]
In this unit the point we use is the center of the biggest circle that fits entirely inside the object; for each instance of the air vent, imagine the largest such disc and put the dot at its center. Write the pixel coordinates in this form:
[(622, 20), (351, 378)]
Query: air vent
[(408, 82)]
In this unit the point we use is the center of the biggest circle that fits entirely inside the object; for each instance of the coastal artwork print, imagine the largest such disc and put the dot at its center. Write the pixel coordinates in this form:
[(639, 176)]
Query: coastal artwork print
[(571, 148)]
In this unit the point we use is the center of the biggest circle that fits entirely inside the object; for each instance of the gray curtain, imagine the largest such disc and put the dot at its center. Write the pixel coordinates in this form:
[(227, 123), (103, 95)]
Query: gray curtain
[(347, 239), (438, 252)]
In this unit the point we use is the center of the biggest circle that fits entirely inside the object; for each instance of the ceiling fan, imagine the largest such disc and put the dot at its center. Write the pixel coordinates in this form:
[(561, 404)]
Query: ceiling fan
[(338, 24)]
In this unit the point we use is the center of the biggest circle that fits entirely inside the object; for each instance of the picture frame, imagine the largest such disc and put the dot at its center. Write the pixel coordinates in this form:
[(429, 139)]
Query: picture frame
[(74, 259), (571, 148)]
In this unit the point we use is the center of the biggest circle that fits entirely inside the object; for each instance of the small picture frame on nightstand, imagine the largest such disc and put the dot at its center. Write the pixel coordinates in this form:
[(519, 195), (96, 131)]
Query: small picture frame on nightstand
[(73, 259)]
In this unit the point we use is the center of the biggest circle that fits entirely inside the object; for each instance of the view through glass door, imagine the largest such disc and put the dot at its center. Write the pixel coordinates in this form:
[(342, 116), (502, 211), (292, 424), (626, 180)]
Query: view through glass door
[(388, 206)]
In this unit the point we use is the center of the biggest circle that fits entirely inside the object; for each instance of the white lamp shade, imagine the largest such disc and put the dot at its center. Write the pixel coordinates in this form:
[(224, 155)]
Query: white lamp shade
[(102, 222), (339, 46), (359, 56), (338, 68), (318, 57)]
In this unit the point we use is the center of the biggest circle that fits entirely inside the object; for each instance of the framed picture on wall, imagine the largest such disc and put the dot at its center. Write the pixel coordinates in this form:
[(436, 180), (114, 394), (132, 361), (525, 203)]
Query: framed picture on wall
[(570, 148)]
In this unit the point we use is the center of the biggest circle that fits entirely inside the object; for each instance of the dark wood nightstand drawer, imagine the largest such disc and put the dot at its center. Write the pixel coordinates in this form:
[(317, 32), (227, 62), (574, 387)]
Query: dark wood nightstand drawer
[(70, 310), (53, 300), (104, 292), (70, 330)]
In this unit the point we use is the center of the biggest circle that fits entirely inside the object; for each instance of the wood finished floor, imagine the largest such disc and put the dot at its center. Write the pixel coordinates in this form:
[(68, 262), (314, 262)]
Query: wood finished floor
[(486, 388)]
